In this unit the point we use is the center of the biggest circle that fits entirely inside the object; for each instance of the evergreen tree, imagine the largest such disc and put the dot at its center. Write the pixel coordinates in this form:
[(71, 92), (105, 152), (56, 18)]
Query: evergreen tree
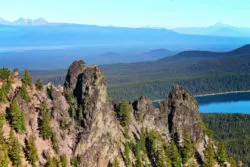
[(3, 98), (45, 129), (4, 73), (124, 113), (161, 157), (16, 117), (15, 150), (24, 93), (32, 151), (4, 91), (232, 162), (75, 161), (168, 153), (140, 147), (4, 158), (151, 145), (64, 161), (156, 149), (138, 163), (115, 163), (55, 143), (174, 155), (2, 120), (26, 78), (209, 156), (39, 84), (142, 141), (187, 151), (126, 154), (52, 162), (221, 154), (137, 151)]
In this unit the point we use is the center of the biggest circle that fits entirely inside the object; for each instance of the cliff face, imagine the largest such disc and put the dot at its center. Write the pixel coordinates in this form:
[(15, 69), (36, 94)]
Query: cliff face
[(87, 128), (98, 135)]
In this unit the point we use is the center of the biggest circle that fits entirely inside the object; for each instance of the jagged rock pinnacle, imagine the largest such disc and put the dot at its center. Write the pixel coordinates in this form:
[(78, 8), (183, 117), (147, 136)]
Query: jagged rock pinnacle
[(74, 72), (184, 114)]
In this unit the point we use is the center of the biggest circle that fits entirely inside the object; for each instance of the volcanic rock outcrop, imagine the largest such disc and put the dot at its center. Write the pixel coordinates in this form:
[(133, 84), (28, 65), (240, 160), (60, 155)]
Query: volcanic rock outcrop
[(86, 127)]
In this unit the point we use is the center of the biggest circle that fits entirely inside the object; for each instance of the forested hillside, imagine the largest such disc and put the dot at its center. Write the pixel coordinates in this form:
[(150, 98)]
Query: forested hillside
[(201, 72), (234, 131)]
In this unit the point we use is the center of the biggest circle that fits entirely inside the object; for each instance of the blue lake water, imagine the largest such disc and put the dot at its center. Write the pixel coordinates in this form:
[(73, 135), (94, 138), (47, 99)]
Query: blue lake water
[(226, 103)]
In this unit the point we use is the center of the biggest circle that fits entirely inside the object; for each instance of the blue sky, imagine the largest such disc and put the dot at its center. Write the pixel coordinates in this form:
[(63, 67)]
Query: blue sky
[(132, 13)]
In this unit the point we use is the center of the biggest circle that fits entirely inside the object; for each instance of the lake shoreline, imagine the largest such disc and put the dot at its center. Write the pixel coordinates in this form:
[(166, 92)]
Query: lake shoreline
[(214, 94), (222, 93)]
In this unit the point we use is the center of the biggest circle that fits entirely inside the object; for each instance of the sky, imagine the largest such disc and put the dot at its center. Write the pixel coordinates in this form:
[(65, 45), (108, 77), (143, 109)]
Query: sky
[(132, 13)]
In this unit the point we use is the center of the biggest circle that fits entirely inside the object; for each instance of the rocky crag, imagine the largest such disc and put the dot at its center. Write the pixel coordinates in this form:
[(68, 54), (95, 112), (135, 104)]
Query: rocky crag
[(86, 129)]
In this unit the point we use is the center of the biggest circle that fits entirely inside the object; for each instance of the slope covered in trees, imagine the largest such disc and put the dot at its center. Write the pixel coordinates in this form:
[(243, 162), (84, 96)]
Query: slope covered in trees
[(199, 71), (234, 131)]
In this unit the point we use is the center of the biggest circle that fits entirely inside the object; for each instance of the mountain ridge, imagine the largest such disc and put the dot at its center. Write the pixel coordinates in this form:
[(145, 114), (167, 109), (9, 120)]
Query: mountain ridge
[(25, 22), (218, 29), (76, 124), (243, 51)]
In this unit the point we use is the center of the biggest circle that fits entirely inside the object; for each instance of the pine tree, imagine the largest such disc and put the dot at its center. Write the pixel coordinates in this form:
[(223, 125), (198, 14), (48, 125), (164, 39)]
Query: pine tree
[(209, 156), (4, 158), (52, 162), (124, 113), (221, 155), (45, 129), (126, 154), (2, 120), (140, 147), (4, 91), (75, 161), (15, 150), (24, 93), (156, 150), (3, 98), (137, 151), (168, 153), (161, 157), (64, 161), (26, 78), (4, 73), (138, 163), (187, 151), (16, 117), (174, 155), (32, 151), (232, 162), (151, 145), (55, 142), (115, 163), (39, 84)]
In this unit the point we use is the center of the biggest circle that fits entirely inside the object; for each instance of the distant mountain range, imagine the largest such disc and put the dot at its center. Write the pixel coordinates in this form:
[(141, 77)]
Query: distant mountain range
[(218, 29), (38, 59), (38, 32), (25, 22)]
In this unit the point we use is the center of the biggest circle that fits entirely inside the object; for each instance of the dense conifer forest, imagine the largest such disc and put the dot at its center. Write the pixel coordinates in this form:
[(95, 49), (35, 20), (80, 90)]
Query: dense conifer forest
[(199, 71), (234, 131)]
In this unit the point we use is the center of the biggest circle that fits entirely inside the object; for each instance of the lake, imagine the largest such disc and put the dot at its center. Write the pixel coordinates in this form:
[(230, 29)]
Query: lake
[(225, 103)]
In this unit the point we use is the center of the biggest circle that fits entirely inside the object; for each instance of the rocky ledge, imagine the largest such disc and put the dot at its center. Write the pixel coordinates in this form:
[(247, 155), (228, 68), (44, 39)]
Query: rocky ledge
[(88, 130)]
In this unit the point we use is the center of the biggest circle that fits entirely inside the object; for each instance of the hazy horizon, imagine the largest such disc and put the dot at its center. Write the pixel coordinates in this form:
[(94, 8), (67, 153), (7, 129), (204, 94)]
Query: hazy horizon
[(159, 13)]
